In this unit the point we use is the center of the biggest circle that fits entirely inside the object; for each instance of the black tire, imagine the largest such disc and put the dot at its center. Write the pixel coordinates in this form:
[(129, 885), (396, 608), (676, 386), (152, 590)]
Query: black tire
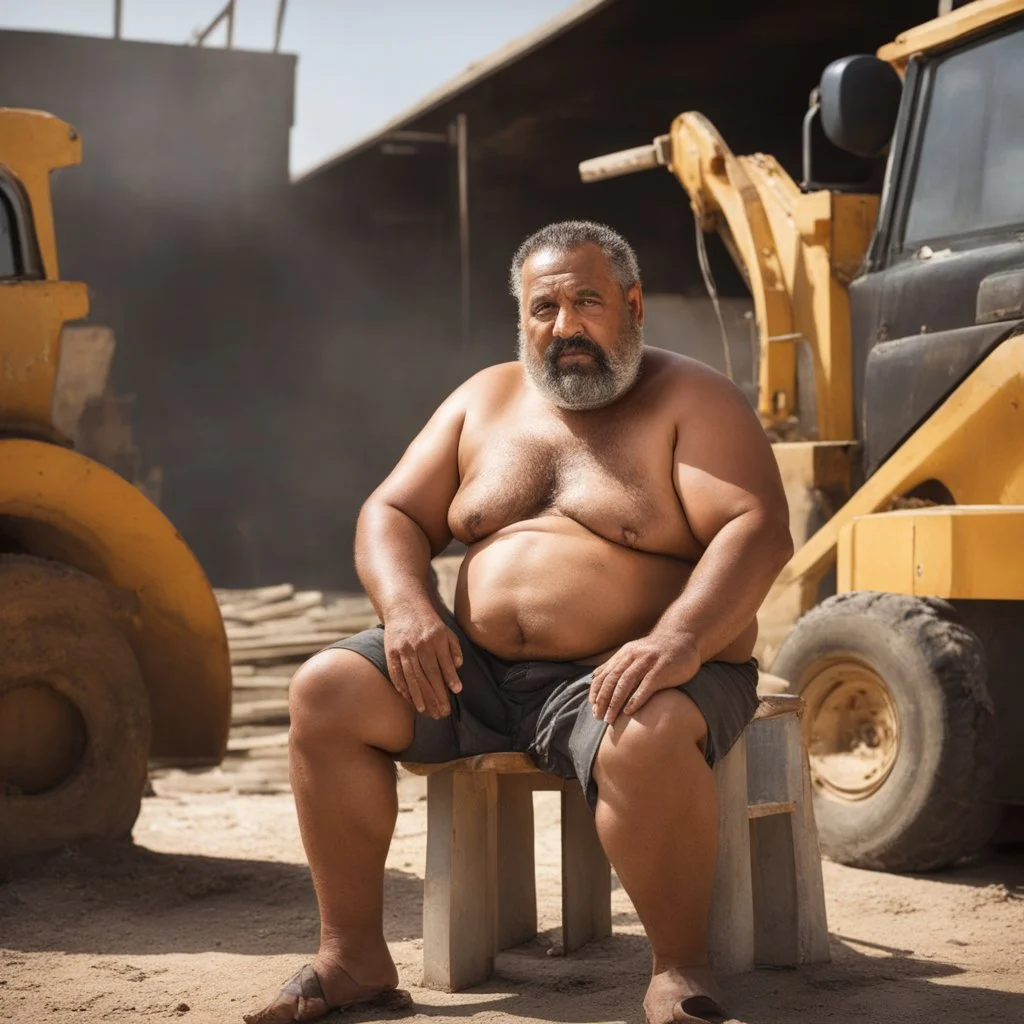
[(924, 802), (63, 647)]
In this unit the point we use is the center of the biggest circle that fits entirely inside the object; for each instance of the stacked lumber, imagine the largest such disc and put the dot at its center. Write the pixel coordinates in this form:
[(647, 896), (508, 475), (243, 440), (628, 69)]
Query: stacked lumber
[(271, 631), (279, 625)]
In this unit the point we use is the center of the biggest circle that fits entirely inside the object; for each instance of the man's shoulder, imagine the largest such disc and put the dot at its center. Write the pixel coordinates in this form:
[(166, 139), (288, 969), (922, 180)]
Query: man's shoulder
[(493, 384), (678, 374)]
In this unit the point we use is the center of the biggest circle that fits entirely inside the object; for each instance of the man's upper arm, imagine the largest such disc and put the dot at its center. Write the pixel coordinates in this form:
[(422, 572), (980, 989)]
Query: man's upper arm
[(426, 478), (724, 466)]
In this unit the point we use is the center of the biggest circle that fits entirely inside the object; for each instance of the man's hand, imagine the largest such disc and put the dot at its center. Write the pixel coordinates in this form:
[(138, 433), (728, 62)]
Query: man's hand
[(423, 655), (638, 670)]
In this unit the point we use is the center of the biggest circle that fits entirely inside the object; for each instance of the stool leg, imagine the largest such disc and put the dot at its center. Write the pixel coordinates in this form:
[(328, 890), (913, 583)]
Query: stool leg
[(731, 928), (517, 879), (586, 874), (812, 921), (790, 927), (459, 894)]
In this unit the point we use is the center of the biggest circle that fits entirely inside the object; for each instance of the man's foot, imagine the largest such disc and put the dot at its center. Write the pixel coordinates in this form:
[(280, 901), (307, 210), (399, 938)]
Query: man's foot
[(687, 994), (315, 992)]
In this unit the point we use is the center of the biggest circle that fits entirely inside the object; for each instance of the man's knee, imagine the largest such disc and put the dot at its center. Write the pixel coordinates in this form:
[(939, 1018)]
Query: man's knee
[(667, 727), (339, 694)]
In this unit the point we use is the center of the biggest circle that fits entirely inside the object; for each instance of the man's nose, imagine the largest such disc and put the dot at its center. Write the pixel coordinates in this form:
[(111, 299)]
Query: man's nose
[(567, 323)]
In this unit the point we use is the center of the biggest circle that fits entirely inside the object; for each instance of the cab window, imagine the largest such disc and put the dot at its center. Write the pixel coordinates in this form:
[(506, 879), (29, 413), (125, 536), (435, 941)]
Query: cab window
[(970, 156)]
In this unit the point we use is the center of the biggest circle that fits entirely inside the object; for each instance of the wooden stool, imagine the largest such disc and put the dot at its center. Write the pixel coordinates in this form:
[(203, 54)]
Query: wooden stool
[(768, 903)]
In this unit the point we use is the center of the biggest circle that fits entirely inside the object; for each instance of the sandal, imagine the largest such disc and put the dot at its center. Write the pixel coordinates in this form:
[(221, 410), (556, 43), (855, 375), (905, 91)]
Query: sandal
[(301, 999)]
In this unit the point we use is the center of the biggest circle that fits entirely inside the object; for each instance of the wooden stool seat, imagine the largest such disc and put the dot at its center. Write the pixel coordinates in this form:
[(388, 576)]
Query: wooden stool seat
[(480, 888)]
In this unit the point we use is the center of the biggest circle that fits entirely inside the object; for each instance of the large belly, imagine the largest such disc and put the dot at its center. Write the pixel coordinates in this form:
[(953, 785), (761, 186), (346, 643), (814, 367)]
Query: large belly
[(549, 589)]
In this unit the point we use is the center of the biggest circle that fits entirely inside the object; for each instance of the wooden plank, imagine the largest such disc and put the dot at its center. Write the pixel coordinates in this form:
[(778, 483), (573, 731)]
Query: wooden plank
[(261, 682), (773, 762), (260, 712), (243, 744), (789, 897), (774, 888), (517, 879), (511, 763), (459, 895), (586, 874), (731, 927), (773, 704), (232, 602), (812, 920), (284, 640), (767, 810), (301, 602)]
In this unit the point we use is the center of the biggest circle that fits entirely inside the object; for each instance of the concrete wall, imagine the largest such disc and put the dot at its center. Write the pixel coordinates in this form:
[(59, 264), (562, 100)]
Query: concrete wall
[(177, 220)]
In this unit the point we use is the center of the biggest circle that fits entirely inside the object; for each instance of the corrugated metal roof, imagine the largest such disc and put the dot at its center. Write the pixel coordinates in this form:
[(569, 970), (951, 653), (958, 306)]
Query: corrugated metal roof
[(476, 72)]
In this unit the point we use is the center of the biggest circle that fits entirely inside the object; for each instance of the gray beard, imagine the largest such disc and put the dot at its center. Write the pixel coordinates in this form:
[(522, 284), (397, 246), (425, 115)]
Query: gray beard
[(581, 387)]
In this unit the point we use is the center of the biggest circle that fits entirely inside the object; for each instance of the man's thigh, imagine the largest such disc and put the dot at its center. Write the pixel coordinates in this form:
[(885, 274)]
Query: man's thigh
[(568, 736), (475, 725)]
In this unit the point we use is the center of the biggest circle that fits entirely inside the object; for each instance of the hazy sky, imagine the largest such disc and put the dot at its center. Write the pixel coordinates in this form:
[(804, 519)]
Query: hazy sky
[(361, 62)]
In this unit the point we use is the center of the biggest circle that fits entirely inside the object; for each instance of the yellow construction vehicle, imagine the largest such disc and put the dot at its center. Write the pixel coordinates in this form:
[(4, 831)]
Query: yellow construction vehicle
[(891, 370), (112, 649)]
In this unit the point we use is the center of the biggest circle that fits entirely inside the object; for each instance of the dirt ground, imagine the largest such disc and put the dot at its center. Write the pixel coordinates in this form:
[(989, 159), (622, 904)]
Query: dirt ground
[(212, 906)]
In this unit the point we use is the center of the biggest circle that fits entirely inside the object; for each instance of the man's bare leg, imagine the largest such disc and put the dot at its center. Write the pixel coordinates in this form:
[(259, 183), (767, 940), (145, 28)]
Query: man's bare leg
[(657, 817), (345, 721)]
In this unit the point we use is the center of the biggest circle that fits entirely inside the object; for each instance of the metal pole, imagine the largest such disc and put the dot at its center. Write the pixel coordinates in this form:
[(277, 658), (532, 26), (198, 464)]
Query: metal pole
[(231, 23), (118, 17), (279, 27), (462, 144)]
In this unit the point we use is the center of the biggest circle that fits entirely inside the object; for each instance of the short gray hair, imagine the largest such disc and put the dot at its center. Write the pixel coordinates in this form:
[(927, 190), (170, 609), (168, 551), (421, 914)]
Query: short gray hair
[(567, 235)]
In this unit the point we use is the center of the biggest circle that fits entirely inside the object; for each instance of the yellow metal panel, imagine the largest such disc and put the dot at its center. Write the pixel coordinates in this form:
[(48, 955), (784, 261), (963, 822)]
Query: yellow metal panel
[(933, 552), (984, 415), (948, 28), (32, 314), (32, 144), (66, 507), (971, 552), (878, 555)]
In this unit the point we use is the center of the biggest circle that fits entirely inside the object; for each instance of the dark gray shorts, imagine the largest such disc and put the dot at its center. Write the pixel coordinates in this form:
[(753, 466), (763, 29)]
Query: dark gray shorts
[(542, 709)]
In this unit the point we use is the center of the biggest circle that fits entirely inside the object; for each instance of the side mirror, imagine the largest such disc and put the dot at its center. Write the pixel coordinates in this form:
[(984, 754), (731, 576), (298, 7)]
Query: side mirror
[(860, 98)]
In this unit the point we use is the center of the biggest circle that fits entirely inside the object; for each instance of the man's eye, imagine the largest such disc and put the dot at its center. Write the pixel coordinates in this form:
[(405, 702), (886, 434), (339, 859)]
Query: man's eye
[(542, 308)]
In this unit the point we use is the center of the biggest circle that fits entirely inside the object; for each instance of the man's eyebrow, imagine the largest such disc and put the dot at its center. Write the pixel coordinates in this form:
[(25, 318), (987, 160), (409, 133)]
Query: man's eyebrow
[(588, 293)]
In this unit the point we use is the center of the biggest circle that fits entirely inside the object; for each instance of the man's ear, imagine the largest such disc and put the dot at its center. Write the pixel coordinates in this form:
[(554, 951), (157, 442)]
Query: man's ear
[(635, 301)]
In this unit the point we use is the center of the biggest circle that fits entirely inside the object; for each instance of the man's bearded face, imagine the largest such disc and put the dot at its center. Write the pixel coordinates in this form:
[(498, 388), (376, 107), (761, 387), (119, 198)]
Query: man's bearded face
[(576, 373)]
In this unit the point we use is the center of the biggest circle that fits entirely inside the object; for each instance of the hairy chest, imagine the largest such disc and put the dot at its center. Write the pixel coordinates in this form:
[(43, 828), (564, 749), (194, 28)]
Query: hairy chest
[(620, 488)]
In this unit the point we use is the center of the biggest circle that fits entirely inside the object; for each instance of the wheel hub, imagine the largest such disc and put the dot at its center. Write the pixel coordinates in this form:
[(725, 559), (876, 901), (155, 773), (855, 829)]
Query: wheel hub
[(42, 739), (851, 729)]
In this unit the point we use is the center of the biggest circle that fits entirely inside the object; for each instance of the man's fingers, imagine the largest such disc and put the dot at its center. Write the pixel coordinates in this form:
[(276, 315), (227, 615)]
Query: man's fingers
[(624, 687), (651, 684), (456, 649), (449, 663), (609, 670), (435, 680), (606, 689), (397, 677), (416, 683)]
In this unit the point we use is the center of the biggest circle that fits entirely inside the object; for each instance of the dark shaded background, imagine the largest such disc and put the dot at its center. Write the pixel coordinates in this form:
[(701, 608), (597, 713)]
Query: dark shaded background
[(285, 342)]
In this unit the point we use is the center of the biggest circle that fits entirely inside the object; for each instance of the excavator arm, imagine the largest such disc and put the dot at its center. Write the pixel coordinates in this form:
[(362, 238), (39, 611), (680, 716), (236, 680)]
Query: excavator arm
[(796, 251)]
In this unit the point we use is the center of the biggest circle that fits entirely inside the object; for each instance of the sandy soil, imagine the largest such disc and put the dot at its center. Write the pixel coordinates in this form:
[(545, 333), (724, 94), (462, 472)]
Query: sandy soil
[(212, 907)]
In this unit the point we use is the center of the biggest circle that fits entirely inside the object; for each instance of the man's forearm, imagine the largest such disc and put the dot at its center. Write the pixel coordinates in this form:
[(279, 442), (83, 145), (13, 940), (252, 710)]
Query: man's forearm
[(392, 559), (730, 581)]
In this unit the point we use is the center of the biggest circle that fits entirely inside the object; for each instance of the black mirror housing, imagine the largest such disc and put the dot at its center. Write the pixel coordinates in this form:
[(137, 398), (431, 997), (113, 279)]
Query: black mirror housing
[(860, 98)]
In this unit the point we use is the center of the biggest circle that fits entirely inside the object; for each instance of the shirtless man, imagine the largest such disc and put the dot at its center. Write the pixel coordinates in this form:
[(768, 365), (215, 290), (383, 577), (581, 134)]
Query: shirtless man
[(623, 518)]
